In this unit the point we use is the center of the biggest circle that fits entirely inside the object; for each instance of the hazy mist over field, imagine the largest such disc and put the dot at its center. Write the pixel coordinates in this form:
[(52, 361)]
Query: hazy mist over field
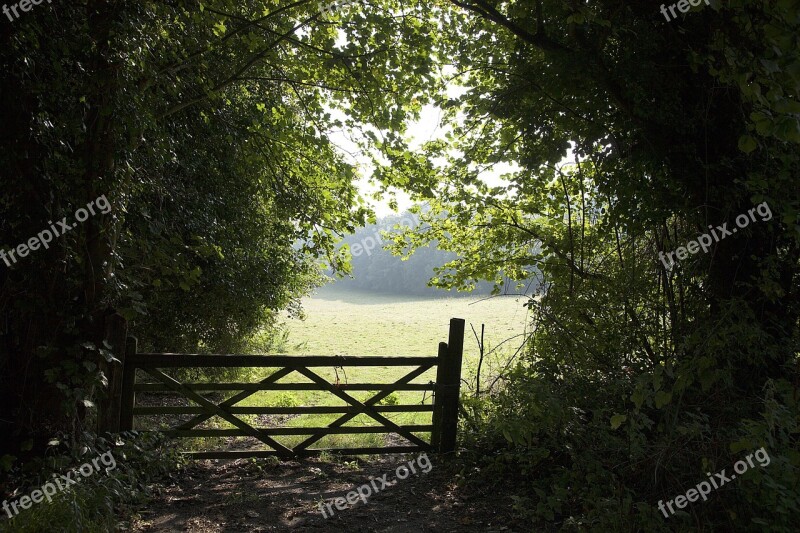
[(378, 270), (386, 306)]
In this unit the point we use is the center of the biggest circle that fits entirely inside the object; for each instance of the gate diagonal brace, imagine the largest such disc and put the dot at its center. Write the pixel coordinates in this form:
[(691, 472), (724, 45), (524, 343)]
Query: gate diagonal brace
[(342, 420), (368, 410), (214, 409), (233, 400)]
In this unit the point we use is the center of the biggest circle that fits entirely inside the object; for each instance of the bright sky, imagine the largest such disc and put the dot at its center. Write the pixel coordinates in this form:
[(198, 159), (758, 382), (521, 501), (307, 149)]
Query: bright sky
[(427, 128), (423, 130)]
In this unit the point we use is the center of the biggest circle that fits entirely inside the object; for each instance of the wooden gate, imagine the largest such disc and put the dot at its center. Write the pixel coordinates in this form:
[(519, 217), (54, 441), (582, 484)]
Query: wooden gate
[(444, 408)]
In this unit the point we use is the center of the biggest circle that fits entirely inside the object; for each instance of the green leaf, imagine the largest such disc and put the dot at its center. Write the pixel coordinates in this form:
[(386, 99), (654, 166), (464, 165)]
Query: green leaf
[(663, 398), (747, 144), (6, 462), (617, 420), (638, 398), (740, 445)]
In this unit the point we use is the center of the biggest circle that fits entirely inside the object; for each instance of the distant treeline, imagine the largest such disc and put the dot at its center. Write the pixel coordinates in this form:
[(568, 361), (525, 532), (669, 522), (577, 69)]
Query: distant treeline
[(376, 269)]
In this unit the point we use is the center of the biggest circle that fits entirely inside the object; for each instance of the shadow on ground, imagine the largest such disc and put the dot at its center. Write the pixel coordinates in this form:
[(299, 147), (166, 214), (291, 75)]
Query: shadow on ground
[(256, 496)]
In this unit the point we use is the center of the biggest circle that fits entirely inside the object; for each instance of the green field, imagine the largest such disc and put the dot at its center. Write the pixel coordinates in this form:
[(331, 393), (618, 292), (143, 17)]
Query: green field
[(343, 322)]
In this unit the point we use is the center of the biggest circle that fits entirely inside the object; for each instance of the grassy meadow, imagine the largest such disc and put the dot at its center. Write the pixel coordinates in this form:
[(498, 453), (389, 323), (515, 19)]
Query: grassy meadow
[(353, 323), (343, 322)]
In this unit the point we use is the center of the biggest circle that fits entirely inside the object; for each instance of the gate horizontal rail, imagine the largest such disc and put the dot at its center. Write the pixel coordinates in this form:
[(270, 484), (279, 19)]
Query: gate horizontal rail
[(304, 410), (247, 454), (289, 431), (444, 408), (155, 387), (173, 360)]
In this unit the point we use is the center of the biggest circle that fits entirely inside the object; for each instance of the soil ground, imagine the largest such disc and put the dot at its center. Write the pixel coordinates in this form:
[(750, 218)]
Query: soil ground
[(261, 496)]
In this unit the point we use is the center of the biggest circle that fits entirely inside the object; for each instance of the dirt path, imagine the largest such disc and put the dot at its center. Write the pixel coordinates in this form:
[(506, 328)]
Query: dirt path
[(259, 496)]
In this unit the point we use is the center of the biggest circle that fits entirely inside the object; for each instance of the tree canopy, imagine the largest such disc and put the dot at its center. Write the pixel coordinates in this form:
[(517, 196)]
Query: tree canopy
[(207, 124)]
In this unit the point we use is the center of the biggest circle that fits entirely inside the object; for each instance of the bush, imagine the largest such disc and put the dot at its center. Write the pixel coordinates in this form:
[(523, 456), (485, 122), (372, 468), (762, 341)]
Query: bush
[(95, 503), (285, 399)]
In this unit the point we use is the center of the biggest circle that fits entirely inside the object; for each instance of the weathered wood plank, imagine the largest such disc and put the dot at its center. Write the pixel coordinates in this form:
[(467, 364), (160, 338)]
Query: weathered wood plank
[(198, 387), (110, 408), (436, 434), (307, 453), (128, 399), (448, 384), (170, 360), (300, 410), (292, 431)]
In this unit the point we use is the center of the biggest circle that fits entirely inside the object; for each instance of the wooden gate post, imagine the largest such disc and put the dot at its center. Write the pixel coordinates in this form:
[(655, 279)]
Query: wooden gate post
[(436, 421), (128, 397), (448, 385), (109, 406)]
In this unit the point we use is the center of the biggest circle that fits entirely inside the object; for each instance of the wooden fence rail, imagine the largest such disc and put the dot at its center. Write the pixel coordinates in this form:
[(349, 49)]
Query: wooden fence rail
[(444, 409)]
